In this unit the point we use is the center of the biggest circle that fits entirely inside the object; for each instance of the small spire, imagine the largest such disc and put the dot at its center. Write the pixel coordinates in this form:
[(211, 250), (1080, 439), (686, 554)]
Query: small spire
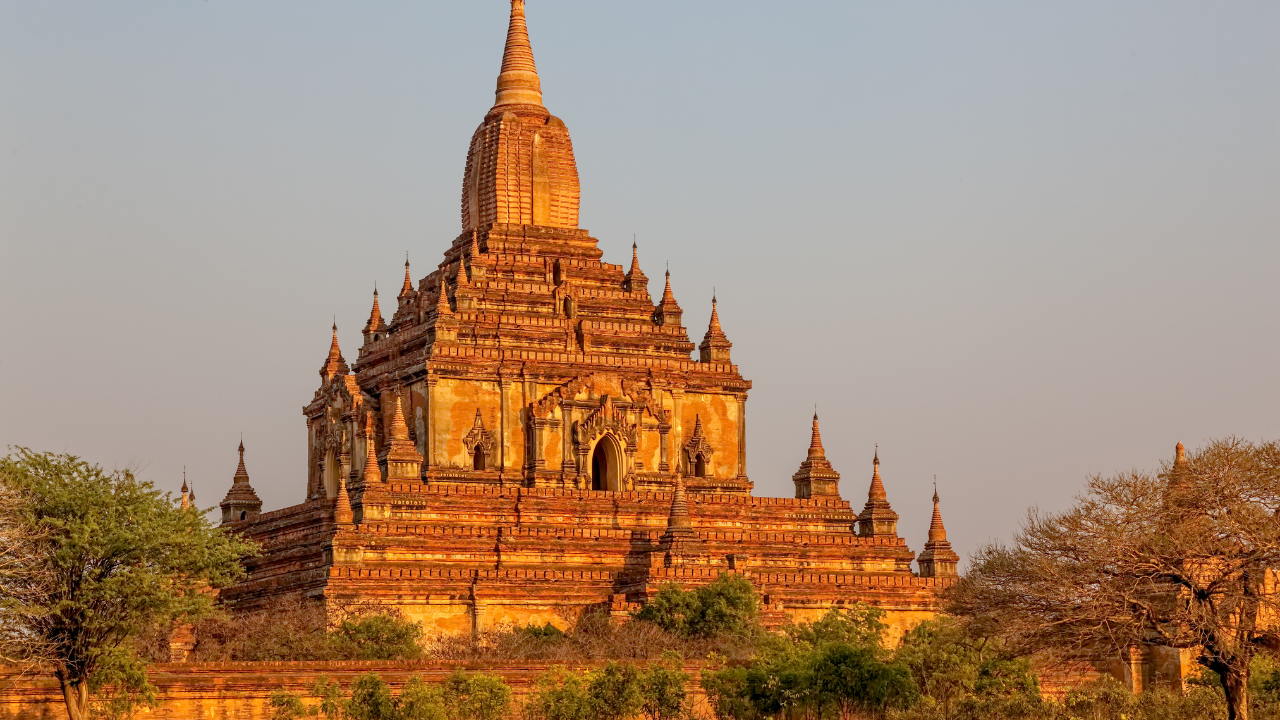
[(334, 364), (342, 514), (876, 492), (937, 533), (375, 323), (241, 472), (461, 277), (241, 502), (713, 328), (1180, 456), (938, 559), (442, 298), (635, 280), (372, 473), (518, 82), (475, 247), (678, 519), (815, 440), (186, 494), (399, 428), (407, 288)]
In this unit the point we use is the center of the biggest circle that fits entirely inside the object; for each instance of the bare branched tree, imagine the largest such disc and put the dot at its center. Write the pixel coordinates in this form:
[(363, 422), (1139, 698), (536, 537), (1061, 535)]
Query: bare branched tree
[(1185, 558)]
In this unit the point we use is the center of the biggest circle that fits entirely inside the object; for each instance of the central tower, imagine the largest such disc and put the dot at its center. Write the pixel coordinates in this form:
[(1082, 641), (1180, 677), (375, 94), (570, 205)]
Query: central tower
[(520, 168), (524, 358)]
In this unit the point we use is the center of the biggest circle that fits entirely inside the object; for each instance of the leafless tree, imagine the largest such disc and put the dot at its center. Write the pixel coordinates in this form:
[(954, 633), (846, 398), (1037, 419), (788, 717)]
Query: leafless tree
[(1185, 558)]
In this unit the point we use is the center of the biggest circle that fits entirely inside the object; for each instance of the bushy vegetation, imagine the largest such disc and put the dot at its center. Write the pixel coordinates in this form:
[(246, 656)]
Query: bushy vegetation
[(302, 630), (459, 697), (615, 691)]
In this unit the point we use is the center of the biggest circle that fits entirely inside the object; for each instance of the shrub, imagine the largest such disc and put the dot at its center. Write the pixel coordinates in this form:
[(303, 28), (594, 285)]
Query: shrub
[(376, 637), (475, 697), (560, 695), (726, 606)]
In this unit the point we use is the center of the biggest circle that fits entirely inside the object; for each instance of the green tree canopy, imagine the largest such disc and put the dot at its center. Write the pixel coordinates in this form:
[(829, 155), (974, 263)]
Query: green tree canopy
[(727, 606), (120, 556)]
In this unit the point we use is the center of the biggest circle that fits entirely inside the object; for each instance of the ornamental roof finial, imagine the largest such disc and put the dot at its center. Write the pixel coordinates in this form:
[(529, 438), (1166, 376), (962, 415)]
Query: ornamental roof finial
[(518, 82)]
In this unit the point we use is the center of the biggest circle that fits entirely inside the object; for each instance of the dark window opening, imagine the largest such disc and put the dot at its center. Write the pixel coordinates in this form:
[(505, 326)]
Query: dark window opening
[(242, 514), (700, 467), (597, 469), (478, 460)]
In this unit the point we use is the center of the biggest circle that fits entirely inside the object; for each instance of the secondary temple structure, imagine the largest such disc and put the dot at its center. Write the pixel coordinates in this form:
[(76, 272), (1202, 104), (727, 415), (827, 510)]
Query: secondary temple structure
[(529, 435)]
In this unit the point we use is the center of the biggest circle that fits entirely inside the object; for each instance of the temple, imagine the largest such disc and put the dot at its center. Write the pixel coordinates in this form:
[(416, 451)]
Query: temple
[(529, 436)]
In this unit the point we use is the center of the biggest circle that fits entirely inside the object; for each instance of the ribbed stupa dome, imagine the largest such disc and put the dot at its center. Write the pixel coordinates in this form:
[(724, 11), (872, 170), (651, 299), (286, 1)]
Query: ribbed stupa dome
[(520, 169)]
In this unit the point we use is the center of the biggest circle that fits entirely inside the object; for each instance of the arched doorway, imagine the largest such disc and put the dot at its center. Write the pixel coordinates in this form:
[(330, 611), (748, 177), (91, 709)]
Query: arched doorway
[(700, 466), (478, 460), (606, 465)]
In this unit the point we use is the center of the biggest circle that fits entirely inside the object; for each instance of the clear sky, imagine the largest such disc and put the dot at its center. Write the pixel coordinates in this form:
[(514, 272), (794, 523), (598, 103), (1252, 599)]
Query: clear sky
[(1014, 243)]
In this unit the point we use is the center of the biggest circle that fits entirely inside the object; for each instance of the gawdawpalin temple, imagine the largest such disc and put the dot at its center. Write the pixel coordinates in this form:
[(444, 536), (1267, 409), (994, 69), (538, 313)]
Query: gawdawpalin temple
[(529, 436)]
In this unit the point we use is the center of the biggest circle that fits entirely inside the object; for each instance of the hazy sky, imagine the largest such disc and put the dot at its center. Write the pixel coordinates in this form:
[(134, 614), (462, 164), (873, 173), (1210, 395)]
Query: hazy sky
[(1013, 243)]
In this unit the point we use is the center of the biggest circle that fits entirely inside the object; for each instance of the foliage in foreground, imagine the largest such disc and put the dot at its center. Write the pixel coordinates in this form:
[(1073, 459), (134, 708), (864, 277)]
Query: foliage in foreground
[(118, 556), (1183, 559), (301, 630), (459, 697)]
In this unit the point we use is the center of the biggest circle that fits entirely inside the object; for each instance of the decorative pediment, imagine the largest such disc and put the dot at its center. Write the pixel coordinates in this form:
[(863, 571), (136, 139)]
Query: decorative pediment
[(481, 438), (552, 401), (606, 418), (697, 445)]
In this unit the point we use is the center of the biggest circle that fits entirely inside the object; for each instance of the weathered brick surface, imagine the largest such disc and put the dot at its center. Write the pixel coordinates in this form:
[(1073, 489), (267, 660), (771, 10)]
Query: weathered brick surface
[(509, 442)]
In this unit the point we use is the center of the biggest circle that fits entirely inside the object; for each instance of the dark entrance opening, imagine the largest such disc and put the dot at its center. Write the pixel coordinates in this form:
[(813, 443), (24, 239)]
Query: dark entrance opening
[(478, 460), (700, 467), (604, 465)]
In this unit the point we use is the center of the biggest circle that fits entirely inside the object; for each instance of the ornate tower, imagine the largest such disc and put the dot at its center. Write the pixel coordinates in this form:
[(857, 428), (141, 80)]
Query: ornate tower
[(937, 560), (816, 477), (525, 358), (878, 518), (520, 169), (241, 502)]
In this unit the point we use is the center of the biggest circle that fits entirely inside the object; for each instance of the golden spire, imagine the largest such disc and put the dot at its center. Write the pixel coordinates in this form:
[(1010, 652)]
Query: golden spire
[(399, 428), (1180, 456), (241, 472), (678, 519), (815, 440), (342, 509), (372, 473), (375, 315), (334, 364), (876, 492), (937, 533), (518, 82), (408, 280), (442, 299)]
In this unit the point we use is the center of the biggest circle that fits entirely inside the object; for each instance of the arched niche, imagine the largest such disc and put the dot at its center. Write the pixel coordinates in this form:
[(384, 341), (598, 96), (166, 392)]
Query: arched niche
[(606, 464)]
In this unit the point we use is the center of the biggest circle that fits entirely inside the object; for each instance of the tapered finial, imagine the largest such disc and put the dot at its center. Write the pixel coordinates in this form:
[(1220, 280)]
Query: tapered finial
[(518, 82)]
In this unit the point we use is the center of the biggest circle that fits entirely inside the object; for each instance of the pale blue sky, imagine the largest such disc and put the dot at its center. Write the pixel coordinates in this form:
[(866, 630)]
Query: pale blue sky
[(1013, 243)]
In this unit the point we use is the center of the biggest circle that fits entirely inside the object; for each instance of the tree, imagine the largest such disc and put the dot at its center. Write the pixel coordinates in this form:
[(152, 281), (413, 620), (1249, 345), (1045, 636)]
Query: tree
[(120, 557), (475, 697), (24, 582), (726, 606), (1185, 558), (662, 691), (615, 691), (559, 695)]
